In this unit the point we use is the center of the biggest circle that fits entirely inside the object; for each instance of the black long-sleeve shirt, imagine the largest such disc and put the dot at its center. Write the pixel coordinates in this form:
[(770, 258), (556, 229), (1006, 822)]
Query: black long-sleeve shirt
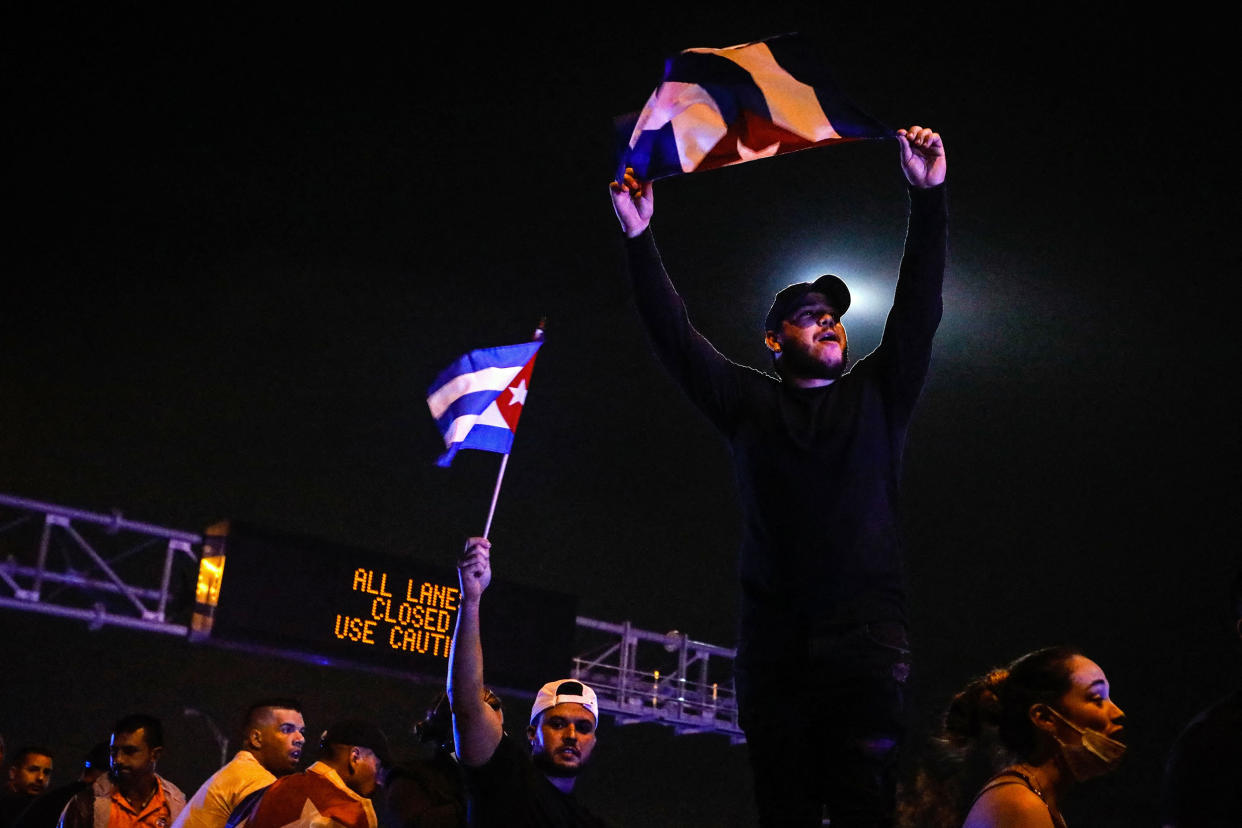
[(817, 469)]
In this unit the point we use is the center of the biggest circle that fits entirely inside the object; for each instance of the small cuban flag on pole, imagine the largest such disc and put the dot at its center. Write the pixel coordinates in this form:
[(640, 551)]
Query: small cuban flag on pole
[(477, 400)]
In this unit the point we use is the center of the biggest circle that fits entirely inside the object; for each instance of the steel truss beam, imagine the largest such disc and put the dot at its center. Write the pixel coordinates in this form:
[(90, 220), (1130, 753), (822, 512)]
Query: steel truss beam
[(644, 676), (102, 569)]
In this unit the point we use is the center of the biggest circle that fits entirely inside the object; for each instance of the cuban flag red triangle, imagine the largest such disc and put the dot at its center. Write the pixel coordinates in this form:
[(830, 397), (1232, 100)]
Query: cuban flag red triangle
[(513, 399)]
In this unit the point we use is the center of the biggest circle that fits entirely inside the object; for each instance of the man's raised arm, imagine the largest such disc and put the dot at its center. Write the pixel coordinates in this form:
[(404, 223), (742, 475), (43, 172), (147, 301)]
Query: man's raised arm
[(477, 728), (703, 373), (918, 305)]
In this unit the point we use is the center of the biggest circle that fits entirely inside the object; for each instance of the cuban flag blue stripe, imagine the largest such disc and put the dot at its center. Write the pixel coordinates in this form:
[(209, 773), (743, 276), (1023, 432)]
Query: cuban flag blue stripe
[(483, 437), (654, 149)]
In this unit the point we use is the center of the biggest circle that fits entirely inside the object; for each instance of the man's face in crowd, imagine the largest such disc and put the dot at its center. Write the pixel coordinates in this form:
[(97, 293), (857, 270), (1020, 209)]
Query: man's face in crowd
[(366, 771), (811, 341), (31, 774), (132, 758), (277, 742), (562, 739)]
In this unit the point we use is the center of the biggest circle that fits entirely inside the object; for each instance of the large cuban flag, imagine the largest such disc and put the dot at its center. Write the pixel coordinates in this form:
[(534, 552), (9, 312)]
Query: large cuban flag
[(717, 107), (476, 401)]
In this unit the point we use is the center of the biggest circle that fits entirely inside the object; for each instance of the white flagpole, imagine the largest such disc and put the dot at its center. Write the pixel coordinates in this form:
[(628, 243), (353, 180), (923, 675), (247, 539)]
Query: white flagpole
[(504, 460)]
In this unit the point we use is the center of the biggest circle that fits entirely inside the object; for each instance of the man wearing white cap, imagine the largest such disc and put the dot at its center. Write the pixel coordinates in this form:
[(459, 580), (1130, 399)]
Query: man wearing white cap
[(510, 783)]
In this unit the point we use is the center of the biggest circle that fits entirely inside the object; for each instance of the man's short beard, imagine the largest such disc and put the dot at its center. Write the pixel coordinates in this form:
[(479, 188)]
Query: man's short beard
[(795, 363), (125, 781), (544, 764)]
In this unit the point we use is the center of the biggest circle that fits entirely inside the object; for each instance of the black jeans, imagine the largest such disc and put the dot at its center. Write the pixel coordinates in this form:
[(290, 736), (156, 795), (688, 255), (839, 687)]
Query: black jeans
[(823, 730)]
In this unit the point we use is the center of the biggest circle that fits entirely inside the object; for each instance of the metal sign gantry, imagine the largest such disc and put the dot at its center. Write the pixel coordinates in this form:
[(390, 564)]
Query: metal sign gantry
[(104, 569), (693, 694)]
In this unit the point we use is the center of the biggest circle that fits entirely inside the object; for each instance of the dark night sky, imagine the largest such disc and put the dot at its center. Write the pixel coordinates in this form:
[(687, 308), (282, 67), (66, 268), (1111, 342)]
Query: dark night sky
[(240, 246)]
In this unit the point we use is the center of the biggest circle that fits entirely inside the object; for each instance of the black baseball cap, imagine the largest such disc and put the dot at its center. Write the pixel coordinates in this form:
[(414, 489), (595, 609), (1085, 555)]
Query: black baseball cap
[(358, 733), (789, 297)]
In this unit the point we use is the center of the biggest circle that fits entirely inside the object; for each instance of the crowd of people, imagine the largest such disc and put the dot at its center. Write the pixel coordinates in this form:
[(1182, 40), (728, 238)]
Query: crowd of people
[(1013, 744), (823, 655), (119, 785)]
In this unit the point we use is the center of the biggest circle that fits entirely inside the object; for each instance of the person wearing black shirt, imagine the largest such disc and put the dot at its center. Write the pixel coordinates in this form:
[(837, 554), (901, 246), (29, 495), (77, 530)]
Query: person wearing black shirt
[(1200, 786), (44, 811), (512, 783), (822, 651), (28, 779)]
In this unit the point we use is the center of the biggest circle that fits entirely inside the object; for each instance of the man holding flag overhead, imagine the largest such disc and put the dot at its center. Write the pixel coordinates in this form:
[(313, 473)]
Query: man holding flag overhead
[(822, 652)]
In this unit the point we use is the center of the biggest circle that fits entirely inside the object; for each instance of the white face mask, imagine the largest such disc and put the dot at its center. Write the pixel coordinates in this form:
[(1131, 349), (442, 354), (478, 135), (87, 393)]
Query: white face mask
[(1093, 755)]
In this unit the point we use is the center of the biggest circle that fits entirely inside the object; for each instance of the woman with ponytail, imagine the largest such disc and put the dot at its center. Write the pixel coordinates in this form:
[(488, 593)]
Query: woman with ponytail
[(1015, 741)]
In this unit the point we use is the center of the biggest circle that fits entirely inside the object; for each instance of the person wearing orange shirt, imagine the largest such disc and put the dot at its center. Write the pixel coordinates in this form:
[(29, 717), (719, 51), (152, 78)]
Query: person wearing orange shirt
[(132, 795)]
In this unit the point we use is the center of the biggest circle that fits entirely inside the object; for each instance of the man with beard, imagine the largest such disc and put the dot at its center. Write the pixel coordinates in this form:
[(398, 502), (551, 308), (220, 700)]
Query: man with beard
[(274, 733), (28, 778), (511, 784), (817, 454), (132, 795)]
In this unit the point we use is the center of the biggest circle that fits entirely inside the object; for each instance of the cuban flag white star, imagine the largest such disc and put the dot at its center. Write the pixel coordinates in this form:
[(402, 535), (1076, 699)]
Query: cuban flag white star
[(311, 817), (745, 153), (519, 393)]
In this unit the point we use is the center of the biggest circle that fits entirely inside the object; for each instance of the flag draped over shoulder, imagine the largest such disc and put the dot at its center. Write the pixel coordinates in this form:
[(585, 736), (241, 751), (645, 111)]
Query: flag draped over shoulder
[(717, 107), (476, 401)]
